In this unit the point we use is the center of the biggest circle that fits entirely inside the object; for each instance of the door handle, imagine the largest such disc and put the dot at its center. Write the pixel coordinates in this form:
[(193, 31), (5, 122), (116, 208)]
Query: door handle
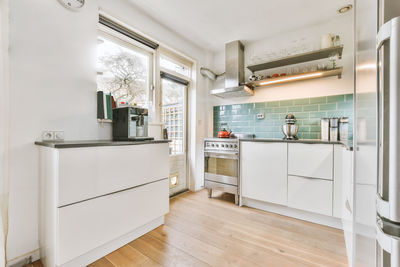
[(390, 209)]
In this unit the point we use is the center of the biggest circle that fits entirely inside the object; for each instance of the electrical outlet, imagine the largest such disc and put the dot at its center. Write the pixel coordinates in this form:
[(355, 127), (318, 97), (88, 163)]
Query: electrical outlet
[(59, 135), (260, 116), (47, 135)]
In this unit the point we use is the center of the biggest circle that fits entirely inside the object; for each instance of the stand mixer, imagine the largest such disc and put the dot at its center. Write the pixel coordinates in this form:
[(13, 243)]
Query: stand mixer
[(290, 129)]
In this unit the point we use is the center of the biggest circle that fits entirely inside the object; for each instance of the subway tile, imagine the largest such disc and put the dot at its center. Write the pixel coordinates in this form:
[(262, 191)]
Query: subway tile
[(280, 110), (295, 109), (345, 105), (286, 103), (302, 115), (264, 135), (310, 107), (315, 128), (318, 100), (279, 135), (236, 106), (274, 104), (320, 114), (331, 106), (260, 105), (334, 114), (313, 135), (349, 98), (304, 128), (241, 118), (302, 101), (312, 121), (335, 98)]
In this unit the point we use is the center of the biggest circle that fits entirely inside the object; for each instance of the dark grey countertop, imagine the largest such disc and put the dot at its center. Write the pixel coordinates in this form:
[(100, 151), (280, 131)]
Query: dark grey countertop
[(92, 143), (347, 144)]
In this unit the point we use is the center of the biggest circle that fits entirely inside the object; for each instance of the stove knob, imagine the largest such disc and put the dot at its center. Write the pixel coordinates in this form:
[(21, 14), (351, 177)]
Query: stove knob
[(216, 145), (235, 146), (231, 146), (222, 145), (212, 145)]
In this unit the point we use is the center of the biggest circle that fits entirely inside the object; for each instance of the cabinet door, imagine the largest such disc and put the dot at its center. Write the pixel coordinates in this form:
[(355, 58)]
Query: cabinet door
[(89, 172), (263, 168), (84, 226), (310, 194), (342, 181), (311, 160)]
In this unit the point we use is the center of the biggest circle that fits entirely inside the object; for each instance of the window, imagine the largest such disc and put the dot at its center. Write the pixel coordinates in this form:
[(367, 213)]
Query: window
[(124, 70), (177, 67)]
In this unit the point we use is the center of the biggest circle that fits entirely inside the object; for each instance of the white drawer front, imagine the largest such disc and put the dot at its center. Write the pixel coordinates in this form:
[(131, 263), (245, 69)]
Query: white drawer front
[(89, 224), (311, 160), (309, 194), (85, 173)]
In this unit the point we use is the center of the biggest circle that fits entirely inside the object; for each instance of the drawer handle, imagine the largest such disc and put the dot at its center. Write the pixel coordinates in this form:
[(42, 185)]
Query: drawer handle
[(347, 204)]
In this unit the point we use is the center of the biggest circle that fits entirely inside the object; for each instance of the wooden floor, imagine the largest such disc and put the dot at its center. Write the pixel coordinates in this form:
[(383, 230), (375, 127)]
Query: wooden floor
[(200, 231)]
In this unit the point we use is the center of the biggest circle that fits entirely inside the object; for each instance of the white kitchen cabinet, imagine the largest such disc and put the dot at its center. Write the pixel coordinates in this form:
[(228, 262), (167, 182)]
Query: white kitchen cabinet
[(85, 225), (88, 172), (310, 194), (311, 160), (94, 200), (263, 168), (343, 180)]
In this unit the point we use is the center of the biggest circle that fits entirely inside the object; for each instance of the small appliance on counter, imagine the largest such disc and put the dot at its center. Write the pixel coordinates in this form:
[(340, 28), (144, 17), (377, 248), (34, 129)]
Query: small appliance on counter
[(325, 129), (223, 132), (334, 129), (130, 124), (344, 129), (290, 129)]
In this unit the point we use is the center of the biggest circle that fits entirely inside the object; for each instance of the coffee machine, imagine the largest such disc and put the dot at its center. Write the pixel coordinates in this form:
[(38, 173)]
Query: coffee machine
[(130, 124)]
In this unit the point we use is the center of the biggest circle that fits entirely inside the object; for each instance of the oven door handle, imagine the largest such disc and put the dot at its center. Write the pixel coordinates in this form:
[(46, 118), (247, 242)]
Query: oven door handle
[(221, 155)]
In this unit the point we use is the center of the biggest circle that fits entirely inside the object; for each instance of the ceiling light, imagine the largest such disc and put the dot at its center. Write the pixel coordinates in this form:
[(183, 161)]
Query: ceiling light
[(293, 78), (344, 9)]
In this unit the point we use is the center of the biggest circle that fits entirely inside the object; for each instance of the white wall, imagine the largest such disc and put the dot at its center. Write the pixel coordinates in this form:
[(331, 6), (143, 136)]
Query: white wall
[(52, 65), (4, 90), (313, 88)]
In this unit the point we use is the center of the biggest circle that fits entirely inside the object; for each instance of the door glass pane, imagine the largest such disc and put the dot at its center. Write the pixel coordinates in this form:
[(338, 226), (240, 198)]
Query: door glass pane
[(173, 113), (123, 71)]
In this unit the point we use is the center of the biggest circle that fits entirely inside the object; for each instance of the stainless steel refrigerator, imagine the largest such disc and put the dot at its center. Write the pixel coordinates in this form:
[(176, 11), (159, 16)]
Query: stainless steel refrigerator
[(388, 183), (377, 133)]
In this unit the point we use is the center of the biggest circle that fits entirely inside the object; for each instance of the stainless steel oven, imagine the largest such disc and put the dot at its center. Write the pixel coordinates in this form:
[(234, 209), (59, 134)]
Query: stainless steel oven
[(221, 166)]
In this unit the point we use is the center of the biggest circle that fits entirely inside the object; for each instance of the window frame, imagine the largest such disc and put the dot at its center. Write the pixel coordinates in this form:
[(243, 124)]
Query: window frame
[(129, 43)]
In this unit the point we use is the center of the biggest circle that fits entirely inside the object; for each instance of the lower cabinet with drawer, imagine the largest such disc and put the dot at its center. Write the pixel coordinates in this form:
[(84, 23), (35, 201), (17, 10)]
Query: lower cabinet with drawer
[(310, 194), (301, 180), (81, 218)]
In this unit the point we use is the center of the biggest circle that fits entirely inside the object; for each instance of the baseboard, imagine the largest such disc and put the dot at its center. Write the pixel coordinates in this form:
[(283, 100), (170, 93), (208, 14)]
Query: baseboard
[(105, 249), (24, 259), (294, 213)]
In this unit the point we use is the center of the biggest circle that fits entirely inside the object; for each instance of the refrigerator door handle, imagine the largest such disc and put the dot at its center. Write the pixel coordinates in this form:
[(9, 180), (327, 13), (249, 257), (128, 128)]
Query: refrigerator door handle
[(390, 209), (390, 244)]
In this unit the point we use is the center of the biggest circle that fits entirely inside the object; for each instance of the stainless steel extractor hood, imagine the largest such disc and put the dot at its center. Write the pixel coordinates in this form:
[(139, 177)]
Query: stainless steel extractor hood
[(234, 73)]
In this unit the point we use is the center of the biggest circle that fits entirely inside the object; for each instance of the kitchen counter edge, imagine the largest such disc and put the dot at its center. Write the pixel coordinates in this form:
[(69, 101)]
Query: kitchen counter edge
[(347, 144), (95, 143)]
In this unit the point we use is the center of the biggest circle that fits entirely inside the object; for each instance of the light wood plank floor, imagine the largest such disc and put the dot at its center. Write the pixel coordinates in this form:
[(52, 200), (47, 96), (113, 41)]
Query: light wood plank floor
[(200, 231)]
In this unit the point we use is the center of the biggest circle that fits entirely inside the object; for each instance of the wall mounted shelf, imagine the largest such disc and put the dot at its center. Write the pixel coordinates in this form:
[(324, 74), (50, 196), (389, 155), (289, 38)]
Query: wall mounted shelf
[(299, 58), (298, 77)]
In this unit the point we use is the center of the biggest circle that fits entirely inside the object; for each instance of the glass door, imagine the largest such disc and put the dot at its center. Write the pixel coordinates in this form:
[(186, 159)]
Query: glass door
[(174, 116)]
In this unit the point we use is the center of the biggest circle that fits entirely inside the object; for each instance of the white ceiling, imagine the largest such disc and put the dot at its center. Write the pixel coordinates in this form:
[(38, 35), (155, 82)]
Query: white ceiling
[(212, 23)]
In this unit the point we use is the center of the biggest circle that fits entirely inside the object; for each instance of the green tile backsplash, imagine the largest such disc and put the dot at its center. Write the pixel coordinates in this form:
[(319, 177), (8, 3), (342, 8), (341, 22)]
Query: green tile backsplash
[(242, 118)]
